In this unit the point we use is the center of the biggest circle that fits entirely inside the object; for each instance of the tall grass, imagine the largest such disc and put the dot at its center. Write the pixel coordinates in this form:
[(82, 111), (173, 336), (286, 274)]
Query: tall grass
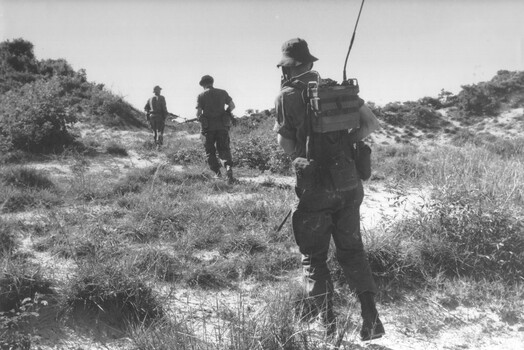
[(472, 225), (158, 228), (478, 170)]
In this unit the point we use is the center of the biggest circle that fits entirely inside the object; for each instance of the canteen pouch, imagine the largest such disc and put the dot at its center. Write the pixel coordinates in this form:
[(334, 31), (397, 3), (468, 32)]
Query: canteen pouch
[(344, 174), (306, 172), (363, 160)]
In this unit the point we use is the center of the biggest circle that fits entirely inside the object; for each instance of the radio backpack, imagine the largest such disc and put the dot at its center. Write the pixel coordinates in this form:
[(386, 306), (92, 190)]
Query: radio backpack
[(331, 158)]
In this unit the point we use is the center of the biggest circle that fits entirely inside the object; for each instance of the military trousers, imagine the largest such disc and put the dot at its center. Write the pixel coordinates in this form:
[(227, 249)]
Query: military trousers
[(319, 216), (217, 141), (157, 123)]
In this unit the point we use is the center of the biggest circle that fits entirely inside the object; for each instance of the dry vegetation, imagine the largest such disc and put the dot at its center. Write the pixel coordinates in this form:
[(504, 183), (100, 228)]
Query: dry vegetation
[(107, 243)]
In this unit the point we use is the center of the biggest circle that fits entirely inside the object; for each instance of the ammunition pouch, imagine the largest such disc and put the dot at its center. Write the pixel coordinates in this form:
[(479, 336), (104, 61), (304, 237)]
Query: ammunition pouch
[(362, 156), (306, 172)]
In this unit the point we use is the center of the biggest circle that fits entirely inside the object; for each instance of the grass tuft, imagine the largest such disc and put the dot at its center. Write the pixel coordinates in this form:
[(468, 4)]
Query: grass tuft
[(115, 293)]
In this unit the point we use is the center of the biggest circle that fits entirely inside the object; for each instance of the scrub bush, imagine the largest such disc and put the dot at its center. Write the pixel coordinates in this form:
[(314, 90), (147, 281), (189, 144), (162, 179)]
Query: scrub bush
[(35, 118), (7, 238), (460, 237), (25, 177), (261, 152), (115, 292)]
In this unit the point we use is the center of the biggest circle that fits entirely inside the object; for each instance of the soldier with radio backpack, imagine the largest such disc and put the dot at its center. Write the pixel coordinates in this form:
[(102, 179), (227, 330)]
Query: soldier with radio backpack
[(321, 128)]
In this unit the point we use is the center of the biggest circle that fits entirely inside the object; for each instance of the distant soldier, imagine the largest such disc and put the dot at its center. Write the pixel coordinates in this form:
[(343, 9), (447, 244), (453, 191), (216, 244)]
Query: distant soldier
[(156, 113), (216, 122)]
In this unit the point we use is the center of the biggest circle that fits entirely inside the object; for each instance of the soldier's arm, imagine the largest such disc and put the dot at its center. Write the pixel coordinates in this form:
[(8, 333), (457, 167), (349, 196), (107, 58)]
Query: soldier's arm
[(231, 106), (288, 145), (368, 124), (164, 106), (198, 112)]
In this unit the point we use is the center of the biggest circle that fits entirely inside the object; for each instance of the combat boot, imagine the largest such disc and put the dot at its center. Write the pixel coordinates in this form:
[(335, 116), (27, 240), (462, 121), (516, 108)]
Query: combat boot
[(372, 327), (229, 173)]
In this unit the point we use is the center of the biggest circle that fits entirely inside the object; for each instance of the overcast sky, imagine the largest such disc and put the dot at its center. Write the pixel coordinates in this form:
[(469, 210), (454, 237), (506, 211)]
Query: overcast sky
[(404, 49)]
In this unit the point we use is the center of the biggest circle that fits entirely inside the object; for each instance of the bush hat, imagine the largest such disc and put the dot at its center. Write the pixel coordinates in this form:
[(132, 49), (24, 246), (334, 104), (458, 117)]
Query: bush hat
[(206, 79), (295, 52), (157, 88)]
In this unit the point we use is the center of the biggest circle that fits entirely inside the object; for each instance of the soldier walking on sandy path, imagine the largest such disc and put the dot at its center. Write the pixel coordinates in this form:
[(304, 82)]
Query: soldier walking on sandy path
[(216, 120), (156, 114)]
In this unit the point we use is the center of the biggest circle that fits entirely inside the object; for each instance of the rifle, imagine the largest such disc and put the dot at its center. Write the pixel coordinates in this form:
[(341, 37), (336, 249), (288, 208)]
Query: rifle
[(191, 120), (284, 220), (179, 117)]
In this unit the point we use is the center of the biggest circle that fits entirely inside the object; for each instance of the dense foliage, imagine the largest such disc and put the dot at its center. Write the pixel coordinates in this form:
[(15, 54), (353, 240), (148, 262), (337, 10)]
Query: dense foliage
[(41, 99), (476, 100), (486, 97)]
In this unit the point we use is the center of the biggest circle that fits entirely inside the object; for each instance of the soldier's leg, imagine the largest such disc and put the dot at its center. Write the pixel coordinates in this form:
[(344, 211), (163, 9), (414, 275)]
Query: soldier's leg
[(312, 227), (224, 147), (352, 258), (209, 146), (152, 122), (224, 152), (348, 240), (161, 125)]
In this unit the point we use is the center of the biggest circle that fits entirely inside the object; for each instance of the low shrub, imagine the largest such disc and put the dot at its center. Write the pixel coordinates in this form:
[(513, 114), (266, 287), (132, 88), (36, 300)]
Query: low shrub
[(163, 265), (249, 243), (25, 177), (504, 147), (398, 162), (458, 236), (18, 282), (116, 149), (261, 152), (17, 201), (36, 118), (114, 292), (134, 181), (187, 155), (7, 238), (465, 237), (217, 275), (166, 334)]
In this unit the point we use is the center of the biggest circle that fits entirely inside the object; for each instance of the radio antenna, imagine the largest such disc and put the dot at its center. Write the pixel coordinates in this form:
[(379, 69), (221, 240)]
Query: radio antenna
[(352, 39)]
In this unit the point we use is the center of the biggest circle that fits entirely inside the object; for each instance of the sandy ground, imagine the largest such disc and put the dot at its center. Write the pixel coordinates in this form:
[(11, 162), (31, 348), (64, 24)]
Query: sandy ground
[(382, 204)]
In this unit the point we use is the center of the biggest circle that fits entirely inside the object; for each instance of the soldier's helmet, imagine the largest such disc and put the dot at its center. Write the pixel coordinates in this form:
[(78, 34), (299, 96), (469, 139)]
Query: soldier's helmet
[(295, 52)]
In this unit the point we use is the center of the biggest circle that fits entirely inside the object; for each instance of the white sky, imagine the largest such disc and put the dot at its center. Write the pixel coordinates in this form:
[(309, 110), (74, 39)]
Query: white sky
[(404, 49)]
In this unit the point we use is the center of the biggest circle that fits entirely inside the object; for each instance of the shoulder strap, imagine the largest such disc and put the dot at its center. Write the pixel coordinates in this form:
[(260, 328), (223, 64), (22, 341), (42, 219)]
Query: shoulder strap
[(302, 87)]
